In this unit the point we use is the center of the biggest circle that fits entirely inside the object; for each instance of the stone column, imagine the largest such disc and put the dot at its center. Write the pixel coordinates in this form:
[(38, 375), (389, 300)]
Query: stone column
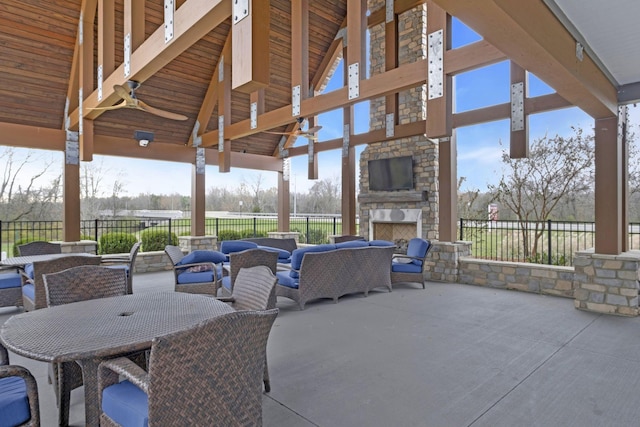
[(607, 283), (192, 243), (443, 260)]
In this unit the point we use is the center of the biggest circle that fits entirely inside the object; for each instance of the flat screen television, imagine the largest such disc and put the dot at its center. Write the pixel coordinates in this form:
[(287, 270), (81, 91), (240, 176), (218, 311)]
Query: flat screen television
[(395, 173)]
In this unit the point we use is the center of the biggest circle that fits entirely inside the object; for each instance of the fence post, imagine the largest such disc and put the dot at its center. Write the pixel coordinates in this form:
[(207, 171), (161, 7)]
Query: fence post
[(335, 227), (549, 241), (308, 230), (255, 226), (169, 234), (95, 229), (461, 229)]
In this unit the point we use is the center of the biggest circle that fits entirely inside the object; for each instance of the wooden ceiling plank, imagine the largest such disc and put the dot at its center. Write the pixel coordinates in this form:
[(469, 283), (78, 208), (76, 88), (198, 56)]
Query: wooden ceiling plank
[(531, 36), (192, 21), (106, 36), (134, 22)]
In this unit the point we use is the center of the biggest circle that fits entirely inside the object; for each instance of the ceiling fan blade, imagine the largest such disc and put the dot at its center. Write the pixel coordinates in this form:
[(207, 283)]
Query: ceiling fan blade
[(280, 133), (313, 129), (119, 105), (123, 93), (158, 112)]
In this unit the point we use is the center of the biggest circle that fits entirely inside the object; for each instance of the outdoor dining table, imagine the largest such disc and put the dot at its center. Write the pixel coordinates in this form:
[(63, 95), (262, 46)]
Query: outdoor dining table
[(89, 332), (21, 261)]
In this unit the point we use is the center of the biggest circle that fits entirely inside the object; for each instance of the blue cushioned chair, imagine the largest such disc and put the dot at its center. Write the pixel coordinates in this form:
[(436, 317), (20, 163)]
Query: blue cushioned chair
[(205, 371), (10, 289), (409, 268), (229, 246), (198, 272), (19, 404)]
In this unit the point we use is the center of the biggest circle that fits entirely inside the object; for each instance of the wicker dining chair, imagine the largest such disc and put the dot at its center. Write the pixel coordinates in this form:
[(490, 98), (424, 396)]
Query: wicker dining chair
[(245, 259), (19, 404), (202, 282), (75, 284), (254, 290), (33, 293), (39, 247), (126, 263), (205, 375)]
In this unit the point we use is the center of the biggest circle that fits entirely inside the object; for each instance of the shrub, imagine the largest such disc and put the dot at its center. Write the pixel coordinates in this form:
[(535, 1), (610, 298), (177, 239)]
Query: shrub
[(317, 236), (116, 243), (248, 232), (156, 240), (228, 235)]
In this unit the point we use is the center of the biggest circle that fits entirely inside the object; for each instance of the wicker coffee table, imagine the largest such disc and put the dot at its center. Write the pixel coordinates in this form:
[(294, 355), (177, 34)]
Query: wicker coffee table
[(91, 331)]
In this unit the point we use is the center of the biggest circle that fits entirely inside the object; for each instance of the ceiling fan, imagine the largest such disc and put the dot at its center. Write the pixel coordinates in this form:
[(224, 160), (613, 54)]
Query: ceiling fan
[(129, 100), (309, 133)]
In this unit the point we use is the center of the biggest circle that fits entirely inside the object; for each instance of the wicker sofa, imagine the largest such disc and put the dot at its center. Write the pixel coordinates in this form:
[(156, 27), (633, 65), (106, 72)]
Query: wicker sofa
[(331, 271)]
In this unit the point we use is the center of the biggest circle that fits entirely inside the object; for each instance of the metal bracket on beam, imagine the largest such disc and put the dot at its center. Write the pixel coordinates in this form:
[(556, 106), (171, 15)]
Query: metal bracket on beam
[(310, 151), (240, 10), (197, 139), (389, 12), (127, 55), (342, 34), (295, 101), (345, 141), (435, 66), (354, 80), (99, 82), (200, 161), (221, 134), (72, 149), (169, 9), (390, 125), (286, 169), (221, 69), (81, 120), (254, 115), (579, 51), (517, 106)]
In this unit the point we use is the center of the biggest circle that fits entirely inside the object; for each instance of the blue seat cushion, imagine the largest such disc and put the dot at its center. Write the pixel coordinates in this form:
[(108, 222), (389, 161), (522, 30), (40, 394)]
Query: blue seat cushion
[(28, 269), (126, 404), (285, 279), (226, 282), (29, 291), (229, 246), (383, 243), (352, 244), (202, 256), (200, 277), (405, 268), (282, 254), (14, 404), (298, 254), (10, 280)]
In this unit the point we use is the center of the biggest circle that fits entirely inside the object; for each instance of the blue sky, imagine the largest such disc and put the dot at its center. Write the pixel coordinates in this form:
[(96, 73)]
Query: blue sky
[(479, 149)]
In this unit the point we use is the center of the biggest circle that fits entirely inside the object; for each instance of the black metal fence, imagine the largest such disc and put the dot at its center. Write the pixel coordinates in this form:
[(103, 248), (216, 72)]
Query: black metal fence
[(313, 229), (546, 242)]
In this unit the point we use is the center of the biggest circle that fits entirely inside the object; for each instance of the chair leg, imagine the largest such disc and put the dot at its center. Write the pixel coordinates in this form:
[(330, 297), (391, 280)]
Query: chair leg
[(63, 395), (267, 382)]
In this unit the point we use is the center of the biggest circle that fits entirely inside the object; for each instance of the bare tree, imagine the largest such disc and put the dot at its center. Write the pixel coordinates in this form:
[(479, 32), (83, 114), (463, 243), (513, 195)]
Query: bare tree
[(531, 188), (20, 196)]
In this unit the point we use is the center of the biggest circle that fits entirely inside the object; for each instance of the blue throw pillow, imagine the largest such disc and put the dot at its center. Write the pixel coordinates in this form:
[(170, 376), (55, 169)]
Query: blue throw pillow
[(202, 256), (282, 254)]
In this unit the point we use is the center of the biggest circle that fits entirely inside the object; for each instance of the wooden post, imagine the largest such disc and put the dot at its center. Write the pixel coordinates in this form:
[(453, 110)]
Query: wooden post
[(198, 197), (71, 189)]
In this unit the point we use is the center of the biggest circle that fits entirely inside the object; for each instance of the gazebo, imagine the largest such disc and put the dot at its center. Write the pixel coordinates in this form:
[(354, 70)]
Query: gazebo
[(213, 78)]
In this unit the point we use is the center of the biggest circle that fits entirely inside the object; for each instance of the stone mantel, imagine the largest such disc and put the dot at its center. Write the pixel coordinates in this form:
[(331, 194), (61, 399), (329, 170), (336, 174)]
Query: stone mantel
[(393, 197)]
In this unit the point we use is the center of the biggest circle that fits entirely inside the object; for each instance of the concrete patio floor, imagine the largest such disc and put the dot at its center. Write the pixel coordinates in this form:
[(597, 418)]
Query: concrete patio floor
[(450, 355)]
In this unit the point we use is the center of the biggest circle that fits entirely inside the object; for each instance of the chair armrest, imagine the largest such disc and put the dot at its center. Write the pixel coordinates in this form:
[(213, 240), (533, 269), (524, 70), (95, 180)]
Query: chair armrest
[(110, 370), (26, 278), (32, 388), (402, 256), (230, 299), (114, 260)]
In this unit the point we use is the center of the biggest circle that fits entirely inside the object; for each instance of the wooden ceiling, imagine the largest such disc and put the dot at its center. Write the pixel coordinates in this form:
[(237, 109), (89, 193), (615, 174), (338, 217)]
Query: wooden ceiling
[(37, 41)]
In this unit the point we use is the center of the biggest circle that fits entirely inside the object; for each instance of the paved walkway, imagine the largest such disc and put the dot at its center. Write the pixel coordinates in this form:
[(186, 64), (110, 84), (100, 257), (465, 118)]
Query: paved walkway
[(450, 355)]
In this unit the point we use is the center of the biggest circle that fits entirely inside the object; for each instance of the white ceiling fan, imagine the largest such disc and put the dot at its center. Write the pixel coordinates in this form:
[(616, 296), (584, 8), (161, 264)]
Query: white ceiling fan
[(310, 133), (129, 100)]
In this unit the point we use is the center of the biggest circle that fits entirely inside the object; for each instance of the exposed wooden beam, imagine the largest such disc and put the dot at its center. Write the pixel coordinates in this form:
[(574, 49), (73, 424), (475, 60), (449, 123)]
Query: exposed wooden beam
[(192, 21), (519, 134), (399, 6), (300, 46), (440, 95), (134, 22), (85, 75), (471, 56), (531, 36), (250, 51), (106, 36), (224, 114)]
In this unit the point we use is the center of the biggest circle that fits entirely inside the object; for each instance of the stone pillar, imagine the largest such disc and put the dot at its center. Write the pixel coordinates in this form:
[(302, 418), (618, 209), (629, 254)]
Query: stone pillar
[(81, 247), (443, 260), (192, 243), (607, 283), (284, 235)]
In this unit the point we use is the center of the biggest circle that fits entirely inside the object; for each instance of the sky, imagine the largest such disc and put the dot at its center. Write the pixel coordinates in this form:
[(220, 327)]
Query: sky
[(479, 147)]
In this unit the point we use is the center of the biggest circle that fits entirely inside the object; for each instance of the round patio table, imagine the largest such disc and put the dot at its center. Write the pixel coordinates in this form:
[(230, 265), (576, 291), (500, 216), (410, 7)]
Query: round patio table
[(89, 332)]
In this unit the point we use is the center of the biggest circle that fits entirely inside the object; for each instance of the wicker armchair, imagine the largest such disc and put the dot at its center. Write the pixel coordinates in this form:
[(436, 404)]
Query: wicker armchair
[(17, 411), (346, 238), (254, 290), (10, 288), (33, 292), (197, 282), (409, 268), (204, 375), (39, 248), (245, 259), (126, 263), (75, 284)]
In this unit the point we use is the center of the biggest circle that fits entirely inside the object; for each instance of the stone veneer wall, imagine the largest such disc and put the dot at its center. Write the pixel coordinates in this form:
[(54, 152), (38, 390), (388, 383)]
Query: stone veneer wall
[(536, 278), (411, 108), (607, 283)]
